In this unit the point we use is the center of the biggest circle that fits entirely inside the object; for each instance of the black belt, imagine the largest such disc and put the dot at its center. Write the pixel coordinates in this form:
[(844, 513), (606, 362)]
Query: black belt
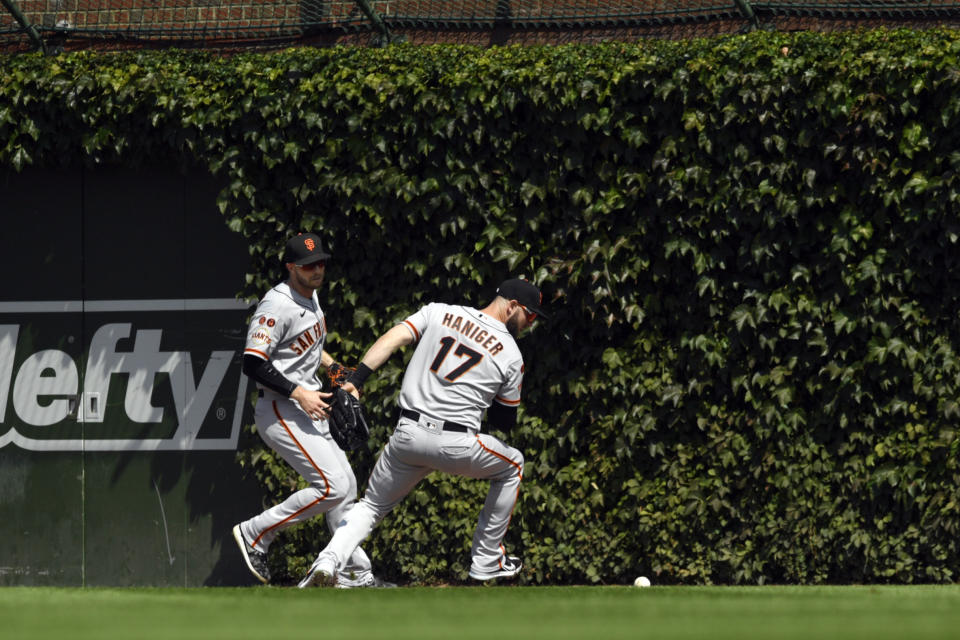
[(447, 426)]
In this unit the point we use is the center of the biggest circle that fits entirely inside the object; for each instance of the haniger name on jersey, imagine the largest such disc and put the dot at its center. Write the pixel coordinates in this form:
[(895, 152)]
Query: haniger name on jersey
[(474, 331)]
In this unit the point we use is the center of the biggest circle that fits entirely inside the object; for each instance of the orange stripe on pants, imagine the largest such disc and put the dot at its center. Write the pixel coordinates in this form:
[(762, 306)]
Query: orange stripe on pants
[(519, 475), (326, 491)]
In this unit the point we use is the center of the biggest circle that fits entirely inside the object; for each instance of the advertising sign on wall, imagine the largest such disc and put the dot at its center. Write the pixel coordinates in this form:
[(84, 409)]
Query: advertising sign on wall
[(137, 386)]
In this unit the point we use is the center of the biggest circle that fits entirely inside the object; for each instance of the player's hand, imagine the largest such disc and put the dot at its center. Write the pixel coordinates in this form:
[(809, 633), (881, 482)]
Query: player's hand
[(312, 402), (352, 390)]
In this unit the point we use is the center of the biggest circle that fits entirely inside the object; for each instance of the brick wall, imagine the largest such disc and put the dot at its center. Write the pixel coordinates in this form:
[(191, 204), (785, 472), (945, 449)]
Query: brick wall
[(107, 24)]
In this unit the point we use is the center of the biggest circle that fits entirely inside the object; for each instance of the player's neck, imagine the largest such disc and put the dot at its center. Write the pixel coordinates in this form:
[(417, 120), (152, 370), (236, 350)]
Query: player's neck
[(496, 311)]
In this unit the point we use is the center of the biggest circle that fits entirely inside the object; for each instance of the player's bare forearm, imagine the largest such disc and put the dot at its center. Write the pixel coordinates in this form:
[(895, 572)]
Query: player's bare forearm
[(376, 355), (383, 348), (326, 359)]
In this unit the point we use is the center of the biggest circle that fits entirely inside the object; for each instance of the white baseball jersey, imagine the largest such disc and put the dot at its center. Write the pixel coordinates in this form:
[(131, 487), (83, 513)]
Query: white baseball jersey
[(464, 361), (289, 330)]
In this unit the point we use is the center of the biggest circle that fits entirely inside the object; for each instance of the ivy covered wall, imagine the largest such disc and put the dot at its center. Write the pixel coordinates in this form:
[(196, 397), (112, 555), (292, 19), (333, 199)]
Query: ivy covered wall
[(749, 246)]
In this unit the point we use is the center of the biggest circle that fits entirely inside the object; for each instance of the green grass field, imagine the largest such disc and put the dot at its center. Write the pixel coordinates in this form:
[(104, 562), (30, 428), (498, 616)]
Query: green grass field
[(453, 613)]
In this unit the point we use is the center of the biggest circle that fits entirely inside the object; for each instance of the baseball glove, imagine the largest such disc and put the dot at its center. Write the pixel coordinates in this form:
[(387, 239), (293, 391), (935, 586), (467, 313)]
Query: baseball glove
[(338, 374), (348, 424)]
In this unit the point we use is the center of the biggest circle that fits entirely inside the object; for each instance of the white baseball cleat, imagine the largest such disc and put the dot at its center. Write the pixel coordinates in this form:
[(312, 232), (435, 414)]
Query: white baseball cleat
[(370, 581), (323, 573), (509, 566)]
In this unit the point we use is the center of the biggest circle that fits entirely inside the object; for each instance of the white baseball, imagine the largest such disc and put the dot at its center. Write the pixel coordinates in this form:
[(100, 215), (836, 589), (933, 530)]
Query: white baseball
[(642, 581)]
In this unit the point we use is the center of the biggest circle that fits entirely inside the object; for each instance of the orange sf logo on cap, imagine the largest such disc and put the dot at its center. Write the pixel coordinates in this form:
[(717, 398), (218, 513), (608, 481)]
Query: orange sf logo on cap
[(310, 244)]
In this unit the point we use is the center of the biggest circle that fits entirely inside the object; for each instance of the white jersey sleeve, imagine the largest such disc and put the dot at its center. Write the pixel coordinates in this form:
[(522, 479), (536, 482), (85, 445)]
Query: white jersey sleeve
[(464, 361), (509, 393), (289, 330), (266, 327)]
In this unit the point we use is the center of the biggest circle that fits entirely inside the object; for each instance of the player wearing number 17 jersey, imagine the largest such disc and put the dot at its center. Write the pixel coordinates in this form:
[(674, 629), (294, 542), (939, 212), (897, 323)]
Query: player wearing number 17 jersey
[(466, 363)]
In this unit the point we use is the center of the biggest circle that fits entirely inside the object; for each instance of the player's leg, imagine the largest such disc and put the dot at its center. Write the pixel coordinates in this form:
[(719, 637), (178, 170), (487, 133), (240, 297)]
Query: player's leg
[(357, 571), (291, 433), (485, 457), (394, 475), (392, 478)]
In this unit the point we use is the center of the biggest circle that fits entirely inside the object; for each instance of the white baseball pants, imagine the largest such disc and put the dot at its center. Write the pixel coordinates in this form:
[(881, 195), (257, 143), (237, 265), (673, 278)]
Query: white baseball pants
[(307, 446), (413, 451)]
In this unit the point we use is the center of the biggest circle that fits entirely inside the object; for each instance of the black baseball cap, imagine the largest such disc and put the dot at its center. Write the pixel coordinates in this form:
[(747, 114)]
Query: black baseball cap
[(524, 292), (304, 248)]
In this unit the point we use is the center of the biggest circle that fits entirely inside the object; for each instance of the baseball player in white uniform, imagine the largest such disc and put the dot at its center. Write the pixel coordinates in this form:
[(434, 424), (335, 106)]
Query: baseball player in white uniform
[(284, 350), (466, 362)]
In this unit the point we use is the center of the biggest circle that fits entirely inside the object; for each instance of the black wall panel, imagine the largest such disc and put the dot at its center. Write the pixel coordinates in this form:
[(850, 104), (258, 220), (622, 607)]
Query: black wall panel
[(121, 396)]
